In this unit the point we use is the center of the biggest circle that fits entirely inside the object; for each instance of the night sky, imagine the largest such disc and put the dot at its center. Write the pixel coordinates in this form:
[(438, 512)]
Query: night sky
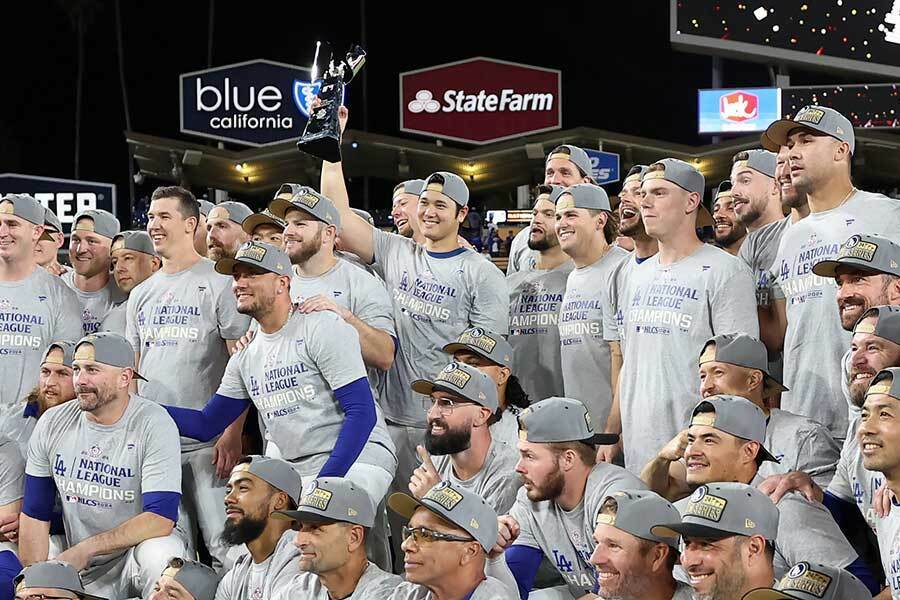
[(619, 70)]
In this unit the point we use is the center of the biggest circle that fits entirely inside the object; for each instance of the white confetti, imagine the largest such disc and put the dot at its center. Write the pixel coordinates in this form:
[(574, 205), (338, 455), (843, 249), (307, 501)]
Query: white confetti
[(760, 13)]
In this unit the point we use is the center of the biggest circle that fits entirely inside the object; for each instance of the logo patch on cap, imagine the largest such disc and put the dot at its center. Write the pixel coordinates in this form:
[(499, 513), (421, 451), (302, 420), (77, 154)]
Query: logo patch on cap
[(317, 498), (858, 249), (803, 579), (565, 201), (443, 495), (351, 512), (864, 328), (248, 250), (749, 524), (85, 352), (478, 339), (453, 375), (84, 224), (606, 519), (53, 360), (308, 200), (708, 419), (810, 115), (474, 524), (118, 244), (881, 388), (7, 208), (219, 212), (709, 353), (705, 505), (660, 174)]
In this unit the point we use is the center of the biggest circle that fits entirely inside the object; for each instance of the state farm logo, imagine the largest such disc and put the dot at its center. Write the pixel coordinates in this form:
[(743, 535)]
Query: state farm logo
[(460, 101), (739, 106), (424, 101)]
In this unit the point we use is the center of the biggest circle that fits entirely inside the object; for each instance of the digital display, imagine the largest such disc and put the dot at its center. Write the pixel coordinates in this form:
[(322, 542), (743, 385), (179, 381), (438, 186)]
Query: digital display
[(738, 110), (875, 106), (496, 216), (838, 34)]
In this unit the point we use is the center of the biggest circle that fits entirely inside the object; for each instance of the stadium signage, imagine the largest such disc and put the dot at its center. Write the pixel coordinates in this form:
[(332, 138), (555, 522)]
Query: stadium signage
[(65, 197), (480, 100)]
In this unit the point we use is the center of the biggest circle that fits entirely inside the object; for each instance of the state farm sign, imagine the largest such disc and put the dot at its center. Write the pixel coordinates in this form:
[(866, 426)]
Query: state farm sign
[(480, 100)]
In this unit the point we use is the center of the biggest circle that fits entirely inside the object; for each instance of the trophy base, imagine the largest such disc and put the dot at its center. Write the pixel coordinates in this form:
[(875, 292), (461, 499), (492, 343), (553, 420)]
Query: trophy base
[(323, 146)]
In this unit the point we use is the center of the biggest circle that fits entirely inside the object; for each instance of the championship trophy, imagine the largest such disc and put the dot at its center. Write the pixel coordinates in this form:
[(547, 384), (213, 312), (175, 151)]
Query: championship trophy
[(322, 136)]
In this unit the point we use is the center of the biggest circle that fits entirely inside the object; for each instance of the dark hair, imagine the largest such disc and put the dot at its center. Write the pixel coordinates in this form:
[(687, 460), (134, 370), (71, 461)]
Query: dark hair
[(515, 395), (187, 203), (611, 227), (586, 452), (636, 169)]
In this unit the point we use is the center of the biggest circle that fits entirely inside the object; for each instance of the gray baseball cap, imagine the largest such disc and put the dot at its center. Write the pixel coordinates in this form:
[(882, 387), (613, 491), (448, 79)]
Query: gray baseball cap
[(720, 510), (548, 192), (818, 118), (887, 325), (455, 504), (261, 218), (233, 211), (199, 580), (863, 252), (52, 574), (635, 174), (205, 206), (636, 511), (887, 382), (97, 221), (735, 416), (741, 350), (558, 420), (461, 380), (364, 215), (51, 221), (678, 172), (584, 195), (138, 241), (575, 155), (68, 349), (23, 206), (260, 255), (276, 472), (291, 196), (814, 581), (761, 161), (723, 190), (410, 186), (107, 348), (448, 184), (485, 344), (332, 499)]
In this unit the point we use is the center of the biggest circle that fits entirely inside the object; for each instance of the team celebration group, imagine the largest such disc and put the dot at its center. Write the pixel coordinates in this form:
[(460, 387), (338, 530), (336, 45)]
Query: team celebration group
[(631, 412)]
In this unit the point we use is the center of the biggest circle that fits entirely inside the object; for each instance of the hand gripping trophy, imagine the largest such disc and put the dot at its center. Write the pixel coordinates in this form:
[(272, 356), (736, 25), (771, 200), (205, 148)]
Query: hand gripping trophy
[(322, 136)]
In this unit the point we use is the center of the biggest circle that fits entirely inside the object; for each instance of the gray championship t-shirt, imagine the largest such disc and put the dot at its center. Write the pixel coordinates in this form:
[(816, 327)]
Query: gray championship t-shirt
[(291, 375), (852, 481), (34, 311), (12, 472), (95, 305), (436, 296), (801, 444), (102, 471), (669, 313), (374, 584), (521, 257), (357, 290), (116, 319), (566, 537), (17, 422), (178, 322), (815, 341), (497, 481), (534, 300), (488, 589), (758, 251), (249, 581), (584, 346)]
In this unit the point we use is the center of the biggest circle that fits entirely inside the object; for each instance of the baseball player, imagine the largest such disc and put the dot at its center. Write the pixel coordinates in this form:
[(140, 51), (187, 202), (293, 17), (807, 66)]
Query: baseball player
[(755, 194), (404, 205), (821, 144), (590, 364), (113, 458), (812, 581), (556, 509), (445, 545), (265, 227), (46, 251), (332, 522), (224, 229), (461, 401), (35, 306), (200, 233), (185, 579), (535, 296), (51, 579), (182, 323), (133, 260), (92, 235), (729, 233)]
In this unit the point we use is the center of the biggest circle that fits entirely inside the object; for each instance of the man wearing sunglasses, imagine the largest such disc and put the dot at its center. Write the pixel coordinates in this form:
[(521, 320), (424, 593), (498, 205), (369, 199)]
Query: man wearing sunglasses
[(459, 403), (445, 545)]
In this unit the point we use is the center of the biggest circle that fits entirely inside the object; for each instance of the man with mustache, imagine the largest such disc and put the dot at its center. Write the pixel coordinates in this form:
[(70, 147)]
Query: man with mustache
[(821, 145), (92, 235), (563, 489), (36, 307), (133, 261), (259, 487), (224, 229), (565, 166), (461, 401), (535, 296), (403, 209), (119, 528), (729, 233)]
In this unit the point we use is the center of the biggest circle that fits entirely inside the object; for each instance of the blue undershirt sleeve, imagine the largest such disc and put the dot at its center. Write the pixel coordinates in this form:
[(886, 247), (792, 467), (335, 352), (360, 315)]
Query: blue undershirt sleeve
[(356, 400), (40, 496), (9, 569), (523, 561), (164, 504), (204, 425)]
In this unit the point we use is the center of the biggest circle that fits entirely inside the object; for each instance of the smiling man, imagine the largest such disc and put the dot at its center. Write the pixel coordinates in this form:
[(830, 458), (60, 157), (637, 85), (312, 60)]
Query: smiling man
[(224, 229), (404, 206), (728, 231), (133, 260), (92, 235)]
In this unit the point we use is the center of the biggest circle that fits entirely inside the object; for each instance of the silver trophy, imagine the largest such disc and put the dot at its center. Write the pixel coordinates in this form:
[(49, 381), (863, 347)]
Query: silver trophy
[(322, 136)]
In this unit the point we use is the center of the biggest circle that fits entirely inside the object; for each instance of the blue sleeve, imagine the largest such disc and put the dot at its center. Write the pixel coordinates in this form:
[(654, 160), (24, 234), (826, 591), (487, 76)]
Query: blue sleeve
[(396, 345), (862, 571), (523, 561), (845, 514), (204, 425), (164, 504), (356, 400), (10, 567), (57, 527), (40, 496)]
